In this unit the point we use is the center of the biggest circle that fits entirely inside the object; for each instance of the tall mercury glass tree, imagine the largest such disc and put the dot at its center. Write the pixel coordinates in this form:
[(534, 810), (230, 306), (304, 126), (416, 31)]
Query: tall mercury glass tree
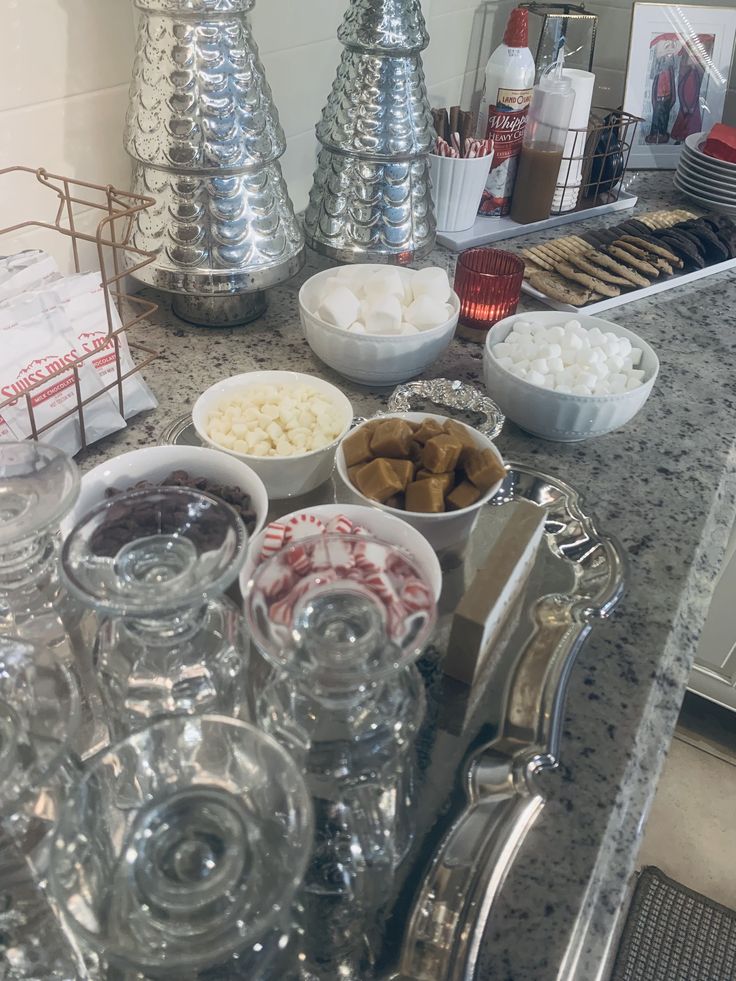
[(371, 197), (205, 139)]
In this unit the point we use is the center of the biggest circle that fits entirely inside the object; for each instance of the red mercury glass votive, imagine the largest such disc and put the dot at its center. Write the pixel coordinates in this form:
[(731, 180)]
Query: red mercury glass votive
[(488, 282)]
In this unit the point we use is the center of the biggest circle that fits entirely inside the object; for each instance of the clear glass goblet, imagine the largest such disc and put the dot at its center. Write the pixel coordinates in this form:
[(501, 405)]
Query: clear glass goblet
[(38, 487), (182, 849), (39, 717), (341, 619), (153, 565)]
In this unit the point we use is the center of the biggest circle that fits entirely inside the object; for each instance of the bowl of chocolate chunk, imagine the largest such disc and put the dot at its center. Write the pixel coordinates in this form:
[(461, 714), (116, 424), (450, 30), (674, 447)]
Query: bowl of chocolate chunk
[(195, 467), (434, 472)]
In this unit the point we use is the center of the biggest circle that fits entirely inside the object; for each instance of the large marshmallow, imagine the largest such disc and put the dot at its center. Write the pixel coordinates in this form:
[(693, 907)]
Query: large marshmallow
[(349, 276), (381, 315), (426, 312), (432, 282), (339, 307), (384, 282), (407, 278)]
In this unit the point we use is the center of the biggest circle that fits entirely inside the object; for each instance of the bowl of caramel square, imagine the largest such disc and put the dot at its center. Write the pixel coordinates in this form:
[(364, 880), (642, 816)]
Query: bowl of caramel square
[(433, 472)]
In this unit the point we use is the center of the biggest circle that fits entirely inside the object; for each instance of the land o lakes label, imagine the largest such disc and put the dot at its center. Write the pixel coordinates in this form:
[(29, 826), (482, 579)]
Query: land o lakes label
[(506, 122)]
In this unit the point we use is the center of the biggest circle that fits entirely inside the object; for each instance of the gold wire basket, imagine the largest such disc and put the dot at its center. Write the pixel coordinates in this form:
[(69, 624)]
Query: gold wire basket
[(117, 258), (595, 161)]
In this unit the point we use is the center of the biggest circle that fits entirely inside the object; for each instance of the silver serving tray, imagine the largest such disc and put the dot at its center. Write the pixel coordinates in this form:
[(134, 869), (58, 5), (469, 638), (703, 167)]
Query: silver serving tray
[(481, 751), (470, 827)]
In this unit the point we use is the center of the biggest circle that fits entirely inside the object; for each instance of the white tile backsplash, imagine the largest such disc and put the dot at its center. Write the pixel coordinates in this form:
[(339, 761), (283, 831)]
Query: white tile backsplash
[(66, 66), (58, 48)]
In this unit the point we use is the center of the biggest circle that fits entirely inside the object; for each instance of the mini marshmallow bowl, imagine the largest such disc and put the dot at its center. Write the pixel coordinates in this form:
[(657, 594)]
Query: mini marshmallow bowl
[(556, 386), (378, 325)]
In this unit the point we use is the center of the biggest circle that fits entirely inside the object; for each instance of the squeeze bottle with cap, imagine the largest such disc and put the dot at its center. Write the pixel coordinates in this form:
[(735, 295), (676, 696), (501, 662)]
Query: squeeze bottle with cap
[(509, 80), (544, 141)]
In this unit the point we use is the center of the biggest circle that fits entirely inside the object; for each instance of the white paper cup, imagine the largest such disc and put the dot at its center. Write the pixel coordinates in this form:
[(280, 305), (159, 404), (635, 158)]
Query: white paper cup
[(457, 187)]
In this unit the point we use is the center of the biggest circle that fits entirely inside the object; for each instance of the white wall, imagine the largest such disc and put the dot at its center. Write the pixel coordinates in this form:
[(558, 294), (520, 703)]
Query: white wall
[(66, 65)]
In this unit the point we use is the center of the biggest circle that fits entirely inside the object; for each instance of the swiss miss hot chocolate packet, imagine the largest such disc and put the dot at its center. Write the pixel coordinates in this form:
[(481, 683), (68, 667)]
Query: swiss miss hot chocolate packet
[(26, 271), (37, 342), (82, 299)]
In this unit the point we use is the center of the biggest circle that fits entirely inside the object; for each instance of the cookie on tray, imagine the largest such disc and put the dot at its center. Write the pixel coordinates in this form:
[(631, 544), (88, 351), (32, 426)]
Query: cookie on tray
[(625, 271), (581, 262), (594, 283), (654, 247), (562, 290), (715, 250), (684, 247), (725, 230), (633, 262), (639, 253)]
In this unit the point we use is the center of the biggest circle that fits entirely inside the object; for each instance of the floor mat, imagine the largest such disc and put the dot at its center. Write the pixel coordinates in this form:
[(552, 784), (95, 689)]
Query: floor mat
[(675, 934)]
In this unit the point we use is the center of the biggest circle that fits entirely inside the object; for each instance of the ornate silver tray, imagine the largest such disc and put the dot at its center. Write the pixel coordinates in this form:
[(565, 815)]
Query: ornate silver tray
[(481, 751), (470, 826)]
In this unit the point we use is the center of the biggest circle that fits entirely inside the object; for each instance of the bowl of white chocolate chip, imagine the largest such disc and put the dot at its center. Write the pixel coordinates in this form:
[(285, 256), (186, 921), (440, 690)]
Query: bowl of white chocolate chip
[(284, 424), (379, 325)]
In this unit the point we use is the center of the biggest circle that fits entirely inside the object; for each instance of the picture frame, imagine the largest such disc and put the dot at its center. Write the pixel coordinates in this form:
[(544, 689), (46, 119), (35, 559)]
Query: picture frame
[(677, 74)]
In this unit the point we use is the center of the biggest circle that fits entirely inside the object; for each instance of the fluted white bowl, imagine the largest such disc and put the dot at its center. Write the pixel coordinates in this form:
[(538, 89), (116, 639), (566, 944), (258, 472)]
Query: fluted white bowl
[(385, 527), (555, 415), (447, 530), (372, 359), (283, 476)]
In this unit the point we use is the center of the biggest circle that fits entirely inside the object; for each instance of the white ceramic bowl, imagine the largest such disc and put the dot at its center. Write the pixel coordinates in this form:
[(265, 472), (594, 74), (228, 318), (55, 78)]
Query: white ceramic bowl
[(156, 462), (367, 358), (384, 526), (448, 530), (554, 415), (283, 476)]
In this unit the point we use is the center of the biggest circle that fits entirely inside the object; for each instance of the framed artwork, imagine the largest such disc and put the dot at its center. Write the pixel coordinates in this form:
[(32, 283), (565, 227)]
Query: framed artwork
[(676, 76)]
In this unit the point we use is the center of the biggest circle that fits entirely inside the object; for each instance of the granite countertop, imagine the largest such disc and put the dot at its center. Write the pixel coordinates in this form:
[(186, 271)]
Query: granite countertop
[(665, 485)]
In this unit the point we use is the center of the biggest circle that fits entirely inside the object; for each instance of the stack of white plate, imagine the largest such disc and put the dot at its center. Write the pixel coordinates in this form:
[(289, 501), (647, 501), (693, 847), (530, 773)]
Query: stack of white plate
[(710, 182)]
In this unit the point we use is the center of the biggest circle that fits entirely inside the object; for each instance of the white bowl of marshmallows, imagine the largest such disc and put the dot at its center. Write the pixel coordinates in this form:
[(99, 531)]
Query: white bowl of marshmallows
[(379, 325), (565, 377)]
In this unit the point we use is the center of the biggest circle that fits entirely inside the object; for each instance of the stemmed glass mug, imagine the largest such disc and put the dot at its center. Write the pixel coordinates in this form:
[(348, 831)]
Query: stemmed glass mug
[(38, 487), (39, 717), (154, 565), (344, 696), (180, 853)]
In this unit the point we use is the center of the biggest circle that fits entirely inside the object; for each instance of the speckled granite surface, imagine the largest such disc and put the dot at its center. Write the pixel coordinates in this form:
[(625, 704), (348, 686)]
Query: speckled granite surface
[(665, 485)]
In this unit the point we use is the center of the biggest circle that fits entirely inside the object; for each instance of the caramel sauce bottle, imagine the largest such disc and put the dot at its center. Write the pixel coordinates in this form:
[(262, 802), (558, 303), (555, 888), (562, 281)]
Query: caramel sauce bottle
[(544, 141)]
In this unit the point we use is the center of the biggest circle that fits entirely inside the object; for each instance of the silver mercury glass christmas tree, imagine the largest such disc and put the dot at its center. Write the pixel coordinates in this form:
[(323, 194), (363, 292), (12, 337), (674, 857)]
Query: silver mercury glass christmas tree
[(371, 196), (205, 139)]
